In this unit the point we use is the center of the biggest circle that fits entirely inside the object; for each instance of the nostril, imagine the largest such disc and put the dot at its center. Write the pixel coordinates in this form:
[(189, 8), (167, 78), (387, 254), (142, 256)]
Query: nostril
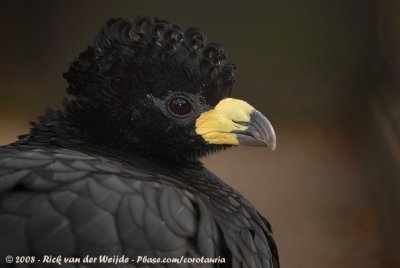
[(241, 123)]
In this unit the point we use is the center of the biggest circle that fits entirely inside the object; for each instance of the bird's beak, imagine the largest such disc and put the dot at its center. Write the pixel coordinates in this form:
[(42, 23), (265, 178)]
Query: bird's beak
[(235, 122)]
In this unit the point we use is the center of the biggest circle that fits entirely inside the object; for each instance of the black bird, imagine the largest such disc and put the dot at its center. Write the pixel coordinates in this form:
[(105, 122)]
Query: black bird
[(117, 171)]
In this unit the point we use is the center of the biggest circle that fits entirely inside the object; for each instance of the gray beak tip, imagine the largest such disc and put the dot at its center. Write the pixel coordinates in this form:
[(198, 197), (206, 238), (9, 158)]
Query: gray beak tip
[(259, 133)]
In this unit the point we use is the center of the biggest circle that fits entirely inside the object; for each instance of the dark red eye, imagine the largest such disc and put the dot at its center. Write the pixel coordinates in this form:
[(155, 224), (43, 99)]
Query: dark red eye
[(180, 106)]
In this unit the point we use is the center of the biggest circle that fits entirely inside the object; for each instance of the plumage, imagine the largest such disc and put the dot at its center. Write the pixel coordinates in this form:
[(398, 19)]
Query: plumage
[(117, 173)]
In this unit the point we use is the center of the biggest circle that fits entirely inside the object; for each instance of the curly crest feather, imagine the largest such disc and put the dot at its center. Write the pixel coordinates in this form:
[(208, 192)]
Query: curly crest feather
[(131, 48)]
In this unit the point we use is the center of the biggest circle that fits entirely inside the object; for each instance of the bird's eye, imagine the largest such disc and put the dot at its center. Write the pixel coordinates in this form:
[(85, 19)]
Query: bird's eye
[(180, 106)]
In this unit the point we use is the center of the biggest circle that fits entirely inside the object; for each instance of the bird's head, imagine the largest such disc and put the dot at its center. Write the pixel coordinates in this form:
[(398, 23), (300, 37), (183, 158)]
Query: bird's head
[(147, 87)]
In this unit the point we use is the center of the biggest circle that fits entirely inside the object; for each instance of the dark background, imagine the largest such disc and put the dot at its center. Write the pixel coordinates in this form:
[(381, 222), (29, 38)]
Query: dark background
[(326, 73)]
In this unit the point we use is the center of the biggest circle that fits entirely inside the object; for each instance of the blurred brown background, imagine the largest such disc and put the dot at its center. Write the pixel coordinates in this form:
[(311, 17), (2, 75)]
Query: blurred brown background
[(326, 72)]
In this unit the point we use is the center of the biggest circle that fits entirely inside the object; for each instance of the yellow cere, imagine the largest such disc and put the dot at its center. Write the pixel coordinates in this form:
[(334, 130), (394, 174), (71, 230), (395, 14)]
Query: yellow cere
[(220, 138), (216, 125)]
